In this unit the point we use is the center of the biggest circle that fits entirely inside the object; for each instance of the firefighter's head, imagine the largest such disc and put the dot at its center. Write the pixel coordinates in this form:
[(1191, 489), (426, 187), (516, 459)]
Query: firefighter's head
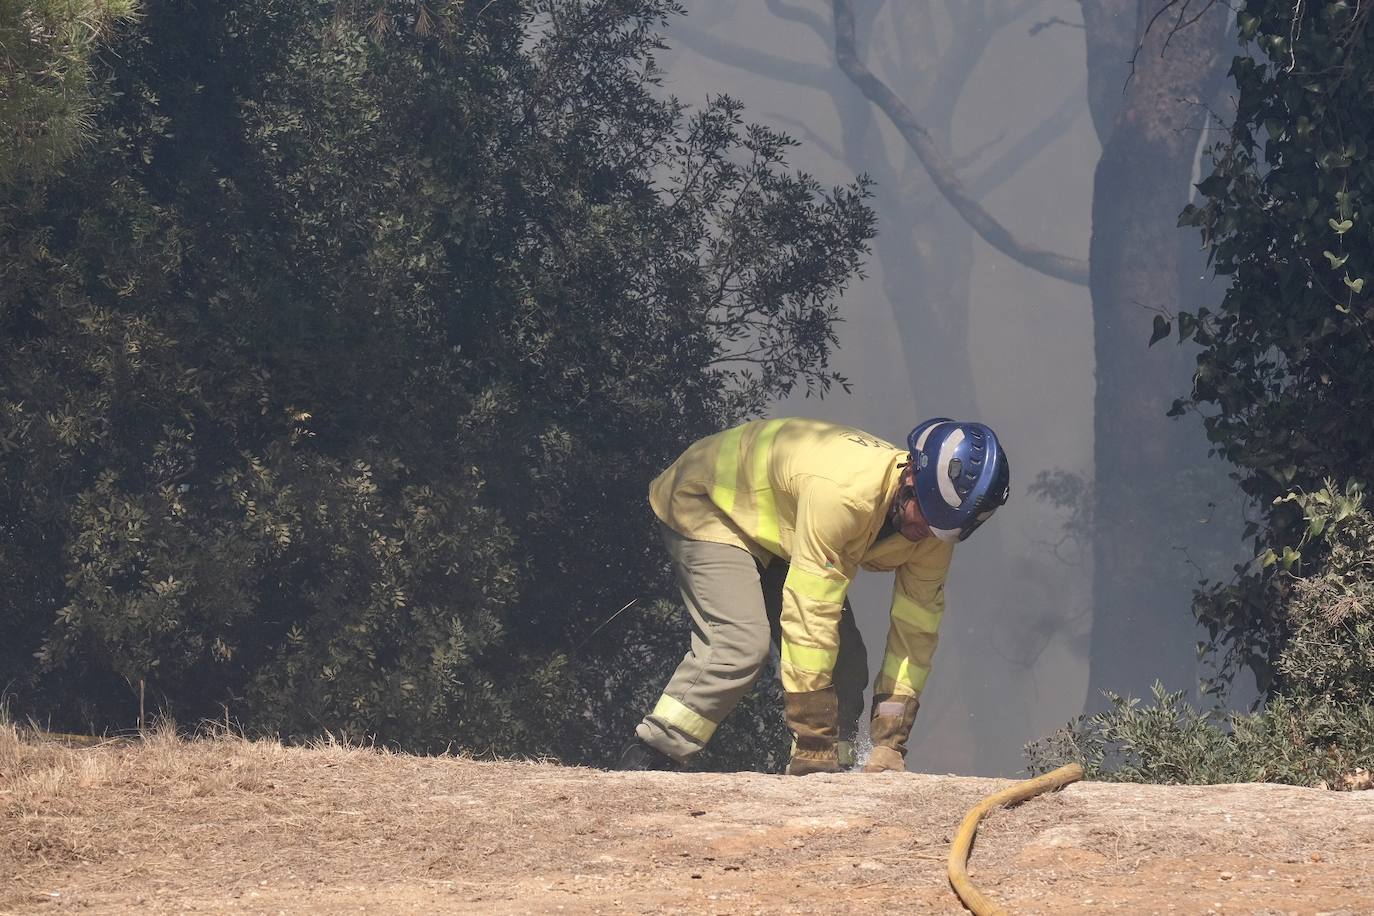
[(957, 477)]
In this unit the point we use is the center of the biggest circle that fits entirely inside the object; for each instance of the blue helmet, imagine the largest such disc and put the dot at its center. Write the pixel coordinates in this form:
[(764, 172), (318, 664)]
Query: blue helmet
[(961, 475)]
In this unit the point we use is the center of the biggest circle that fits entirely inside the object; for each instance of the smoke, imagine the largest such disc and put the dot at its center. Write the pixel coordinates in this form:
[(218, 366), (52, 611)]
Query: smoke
[(944, 324)]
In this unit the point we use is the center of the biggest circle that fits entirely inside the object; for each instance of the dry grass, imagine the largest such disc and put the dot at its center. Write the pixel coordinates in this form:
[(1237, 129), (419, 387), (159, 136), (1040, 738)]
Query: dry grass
[(220, 823), (140, 809)]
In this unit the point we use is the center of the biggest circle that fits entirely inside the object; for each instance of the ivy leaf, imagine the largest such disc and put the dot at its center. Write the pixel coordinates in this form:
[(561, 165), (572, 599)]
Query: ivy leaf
[(1187, 326), (1335, 261), (1342, 227), (1161, 329), (1356, 284), (1290, 558)]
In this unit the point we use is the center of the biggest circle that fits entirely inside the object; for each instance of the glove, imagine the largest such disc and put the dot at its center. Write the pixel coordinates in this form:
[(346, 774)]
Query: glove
[(890, 726), (812, 716)]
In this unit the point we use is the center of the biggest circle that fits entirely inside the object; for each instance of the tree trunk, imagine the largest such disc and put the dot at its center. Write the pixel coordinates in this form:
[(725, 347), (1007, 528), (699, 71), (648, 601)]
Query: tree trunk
[(1141, 265)]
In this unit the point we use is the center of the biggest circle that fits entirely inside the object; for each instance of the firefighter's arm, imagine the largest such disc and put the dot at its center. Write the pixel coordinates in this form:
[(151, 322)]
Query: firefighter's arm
[(918, 604), (822, 565), (823, 561)]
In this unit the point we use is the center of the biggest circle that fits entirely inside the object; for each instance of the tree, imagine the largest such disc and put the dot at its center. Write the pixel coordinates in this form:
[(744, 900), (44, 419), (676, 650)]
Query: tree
[(1150, 79), (1283, 385), (920, 59), (1148, 88), (1283, 377), (1154, 69), (928, 151), (334, 375)]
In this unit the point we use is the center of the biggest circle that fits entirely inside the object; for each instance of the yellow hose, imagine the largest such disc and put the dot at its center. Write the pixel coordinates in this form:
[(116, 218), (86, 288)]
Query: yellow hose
[(974, 899)]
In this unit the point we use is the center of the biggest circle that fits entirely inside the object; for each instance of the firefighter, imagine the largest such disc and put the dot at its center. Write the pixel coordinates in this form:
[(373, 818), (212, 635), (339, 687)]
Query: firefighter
[(782, 513)]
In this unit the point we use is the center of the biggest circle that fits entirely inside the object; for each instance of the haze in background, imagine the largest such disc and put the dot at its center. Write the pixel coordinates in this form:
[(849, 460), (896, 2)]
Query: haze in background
[(1012, 664)]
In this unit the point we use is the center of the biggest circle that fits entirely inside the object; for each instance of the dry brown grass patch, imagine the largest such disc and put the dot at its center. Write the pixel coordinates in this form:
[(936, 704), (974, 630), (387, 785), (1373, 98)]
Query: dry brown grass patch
[(217, 822)]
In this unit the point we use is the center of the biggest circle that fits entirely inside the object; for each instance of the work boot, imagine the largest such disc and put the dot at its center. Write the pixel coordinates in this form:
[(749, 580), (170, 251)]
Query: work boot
[(890, 726), (640, 756), (884, 760), (804, 764), (811, 716)]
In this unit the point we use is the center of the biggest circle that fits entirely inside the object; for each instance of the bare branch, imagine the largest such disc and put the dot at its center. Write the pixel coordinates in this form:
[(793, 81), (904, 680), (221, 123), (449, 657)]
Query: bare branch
[(1072, 270), (752, 60), (972, 33), (805, 132), (1293, 33), (1050, 23), (967, 159), (1179, 25), (810, 18), (855, 117)]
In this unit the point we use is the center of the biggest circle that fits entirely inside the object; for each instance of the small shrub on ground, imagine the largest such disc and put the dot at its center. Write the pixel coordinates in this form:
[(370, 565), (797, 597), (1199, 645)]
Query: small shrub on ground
[(1317, 727), (1170, 741)]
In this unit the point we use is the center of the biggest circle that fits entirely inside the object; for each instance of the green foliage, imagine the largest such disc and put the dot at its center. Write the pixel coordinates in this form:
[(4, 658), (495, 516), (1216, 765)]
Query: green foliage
[(1329, 656), (47, 50), (1285, 373), (332, 377), (1318, 726), (1169, 741)]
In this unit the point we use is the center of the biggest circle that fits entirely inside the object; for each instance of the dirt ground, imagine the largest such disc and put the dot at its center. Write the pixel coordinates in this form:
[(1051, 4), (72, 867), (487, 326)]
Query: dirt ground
[(227, 825)]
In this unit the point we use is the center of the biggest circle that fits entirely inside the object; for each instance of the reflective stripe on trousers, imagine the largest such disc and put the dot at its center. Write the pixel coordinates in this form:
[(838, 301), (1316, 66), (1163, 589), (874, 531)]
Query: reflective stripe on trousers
[(733, 607)]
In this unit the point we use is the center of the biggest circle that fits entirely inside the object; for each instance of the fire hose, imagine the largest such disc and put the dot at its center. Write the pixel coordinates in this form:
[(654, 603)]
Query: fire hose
[(980, 903)]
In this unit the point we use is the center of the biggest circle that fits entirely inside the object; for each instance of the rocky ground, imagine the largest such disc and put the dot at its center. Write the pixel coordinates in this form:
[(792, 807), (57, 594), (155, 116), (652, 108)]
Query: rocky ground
[(228, 825)]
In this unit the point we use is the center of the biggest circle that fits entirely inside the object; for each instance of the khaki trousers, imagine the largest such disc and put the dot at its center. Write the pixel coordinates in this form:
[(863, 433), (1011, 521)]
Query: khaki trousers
[(734, 604)]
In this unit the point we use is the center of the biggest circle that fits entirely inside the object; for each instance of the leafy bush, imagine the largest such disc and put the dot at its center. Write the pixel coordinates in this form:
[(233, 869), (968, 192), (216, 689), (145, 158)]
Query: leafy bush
[(1318, 726), (1285, 366), (1170, 741), (333, 375), (1285, 386)]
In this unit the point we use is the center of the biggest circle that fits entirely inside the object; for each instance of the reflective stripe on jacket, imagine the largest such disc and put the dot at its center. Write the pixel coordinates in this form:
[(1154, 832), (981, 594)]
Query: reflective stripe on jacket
[(815, 494)]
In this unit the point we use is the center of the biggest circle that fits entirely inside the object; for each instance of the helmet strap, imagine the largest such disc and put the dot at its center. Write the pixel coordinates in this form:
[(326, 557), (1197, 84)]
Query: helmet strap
[(906, 491)]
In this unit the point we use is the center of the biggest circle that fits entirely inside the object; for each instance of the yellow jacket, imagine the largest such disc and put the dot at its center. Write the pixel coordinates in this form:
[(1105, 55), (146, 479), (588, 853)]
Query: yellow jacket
[(815, 494)]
